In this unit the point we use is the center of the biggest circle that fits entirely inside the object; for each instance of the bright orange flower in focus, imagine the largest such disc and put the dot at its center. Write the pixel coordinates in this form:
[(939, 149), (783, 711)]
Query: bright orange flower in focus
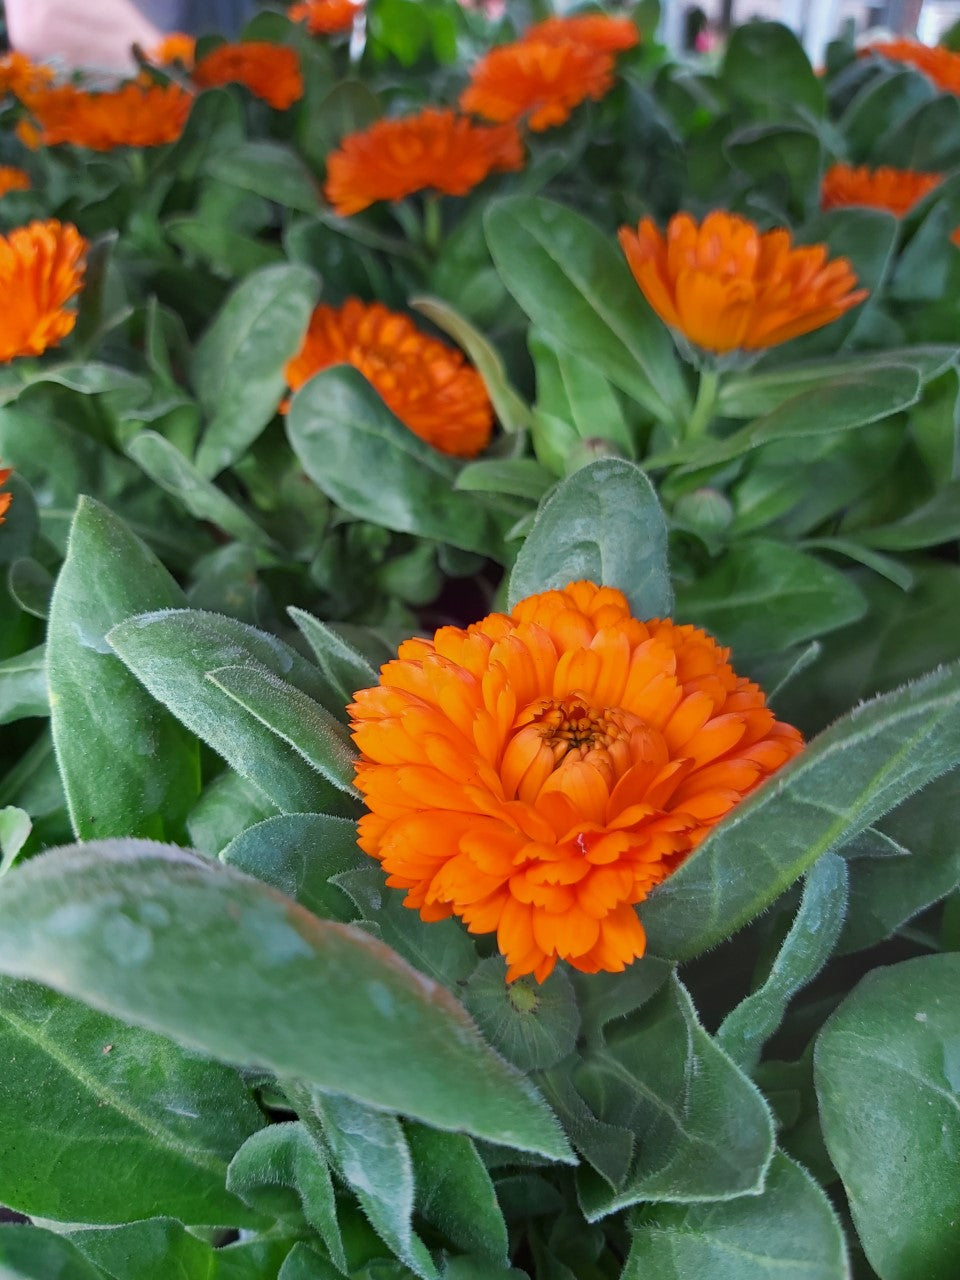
[(20, 76), (896, 190), (13, 179), (428, 385), (540, 80), (941, 65), (539, 773), (728, 287), (436, 150), (269, 71), (136, 115), (175, 47), (595, 30), (5, 498), (41, 268), (325, 17)]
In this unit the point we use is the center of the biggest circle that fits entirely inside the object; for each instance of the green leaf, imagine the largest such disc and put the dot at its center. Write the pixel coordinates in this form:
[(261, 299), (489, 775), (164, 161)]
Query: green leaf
[(15, 827), (369, 463), (173, 652), (703, 1129), (604, 524), (268, 169), (575, 285), (103, 1122), (455, 1193), (160, 1249), (766, 67), (861, 767), (534, 1025), (929, 525), (33, 1253), (128, 926), (782, 161), (765, 596), (227, 805), (349, 107), (128, 768), (239, 361), (346, 669), (294, 717), (574, 391), (803, 953), (23, 686), (787, 1232), (31, 586), (888, 1081), (520, 477)]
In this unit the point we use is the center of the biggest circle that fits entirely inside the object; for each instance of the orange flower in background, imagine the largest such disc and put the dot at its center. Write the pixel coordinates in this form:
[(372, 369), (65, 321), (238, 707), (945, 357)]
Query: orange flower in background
[(175, 47), (5, 498), (13, 179), (726, 286), (325, 17), (136, 115), (41, 268), (269, 71), (20, 76), (595, 30), (538, 774), (955, 237), (436, 150), (428, 385), (942, 66), (896, 190), (540, 80)]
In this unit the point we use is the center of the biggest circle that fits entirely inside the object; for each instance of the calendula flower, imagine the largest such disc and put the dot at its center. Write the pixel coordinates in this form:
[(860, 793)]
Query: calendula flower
[(13, 179), (41, 269), (428, 385), (136, 115), (432, 150), (941, 65), (20, 76), (269, 71), (175, 47), (538, 773), (896, 190), (537, 80), (595, 30), (726, 286), (5, 498), (325, 17)]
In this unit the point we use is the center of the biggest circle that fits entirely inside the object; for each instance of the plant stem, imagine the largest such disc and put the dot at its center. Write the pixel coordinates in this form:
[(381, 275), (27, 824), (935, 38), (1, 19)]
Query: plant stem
[(432, 225), (706, 400)]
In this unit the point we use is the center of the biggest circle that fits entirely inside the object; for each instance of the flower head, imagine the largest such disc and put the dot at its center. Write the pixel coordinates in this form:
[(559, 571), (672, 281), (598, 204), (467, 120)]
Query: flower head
[(269, 71), (538, 773), (136, 115), (428, 385), (13, 179), (325, 17), (896, 190), (41, 268), (20, 76), (595, 30), (940, 64), (175, 47), (540, 80), (5, 498), (728, 287), (436, 150)]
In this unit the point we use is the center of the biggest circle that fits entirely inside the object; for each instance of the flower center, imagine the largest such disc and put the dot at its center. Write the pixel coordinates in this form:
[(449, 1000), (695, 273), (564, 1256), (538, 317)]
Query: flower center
[(572, 727)]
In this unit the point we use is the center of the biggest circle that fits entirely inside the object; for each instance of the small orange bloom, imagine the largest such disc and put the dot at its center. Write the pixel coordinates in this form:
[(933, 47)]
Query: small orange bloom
[(941, 65), (13, 179), (595, 30), (20, 76), (5, 498), (428, 385), (896, 190), (175, 47), (728, 287), (955, 237), (269, 71), (325, 17), (542, 80), (435, 150), (539, 773), (136, 115), (41, 268)]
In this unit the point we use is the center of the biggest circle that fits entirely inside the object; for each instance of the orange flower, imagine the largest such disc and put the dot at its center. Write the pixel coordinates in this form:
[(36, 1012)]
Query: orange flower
[(13, 179), (728, 287), (41, 268), (955, 237), (175, 47), (428, 385), (136, 115), (433, 149), (541, 80), (942, 66), (5, 498), (896, 190), (20, 76), (539, 773), (595, 30), (325, 17), (269, 71)]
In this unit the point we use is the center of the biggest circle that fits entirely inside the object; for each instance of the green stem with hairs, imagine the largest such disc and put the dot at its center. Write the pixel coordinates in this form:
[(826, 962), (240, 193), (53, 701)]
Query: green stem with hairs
[(706, 401)]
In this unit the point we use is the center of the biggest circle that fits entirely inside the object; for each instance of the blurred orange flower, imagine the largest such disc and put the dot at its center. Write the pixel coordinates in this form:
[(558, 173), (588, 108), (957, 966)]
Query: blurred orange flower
[(175, 47), (896, 190), (436, 150), (136, 115), (595, 30), (325, 17), (41, 268), (13, 179), (942, 66), (5, 498), (539, 80), (726, 286), (428, 385), (20, 76), (269, 71), (538, 774)]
